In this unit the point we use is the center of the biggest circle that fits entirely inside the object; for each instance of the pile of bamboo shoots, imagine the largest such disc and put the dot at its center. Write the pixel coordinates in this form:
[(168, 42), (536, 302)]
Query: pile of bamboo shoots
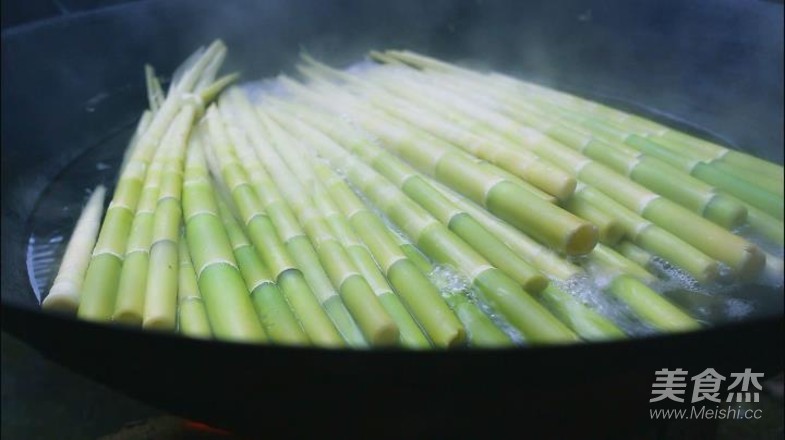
[(327, 212)]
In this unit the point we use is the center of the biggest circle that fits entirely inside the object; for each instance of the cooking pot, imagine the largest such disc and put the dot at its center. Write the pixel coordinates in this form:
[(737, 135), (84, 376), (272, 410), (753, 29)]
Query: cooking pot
[(72, 88)]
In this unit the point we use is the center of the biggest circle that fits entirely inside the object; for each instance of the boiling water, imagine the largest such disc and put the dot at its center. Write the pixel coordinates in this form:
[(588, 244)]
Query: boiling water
[(451, 282)]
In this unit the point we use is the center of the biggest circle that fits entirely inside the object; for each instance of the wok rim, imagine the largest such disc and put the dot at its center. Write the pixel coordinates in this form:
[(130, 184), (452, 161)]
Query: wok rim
[(23, 30), (658, 338)]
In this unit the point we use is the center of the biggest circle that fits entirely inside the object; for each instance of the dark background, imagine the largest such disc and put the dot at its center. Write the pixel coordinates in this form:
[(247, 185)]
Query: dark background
[(17, 12)]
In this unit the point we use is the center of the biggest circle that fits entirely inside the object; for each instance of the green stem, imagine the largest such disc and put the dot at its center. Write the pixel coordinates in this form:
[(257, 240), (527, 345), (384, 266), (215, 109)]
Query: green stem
[(229, 308), (310, 300), (496, 288), (191, 313), (286, 166), (103, 273), (651, 306), (160, 304), (400, 263), (430, 155), (744, 258), (277, 318)]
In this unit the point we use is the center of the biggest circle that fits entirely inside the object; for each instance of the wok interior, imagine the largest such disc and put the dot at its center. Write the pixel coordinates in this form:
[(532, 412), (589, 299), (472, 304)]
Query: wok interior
[(89, 89), (719, 68)]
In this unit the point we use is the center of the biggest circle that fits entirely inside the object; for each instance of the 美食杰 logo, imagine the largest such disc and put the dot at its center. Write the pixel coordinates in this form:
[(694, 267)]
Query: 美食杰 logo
[(731, 394)]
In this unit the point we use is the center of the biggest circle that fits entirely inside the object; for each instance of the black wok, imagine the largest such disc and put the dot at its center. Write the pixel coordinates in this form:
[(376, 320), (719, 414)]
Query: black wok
[(72, 87)]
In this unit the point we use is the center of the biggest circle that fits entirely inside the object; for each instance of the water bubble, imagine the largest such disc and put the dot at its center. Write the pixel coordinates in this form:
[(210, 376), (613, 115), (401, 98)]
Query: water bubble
[(448, 280), (762, 242), (589, 289), (736, 308)]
